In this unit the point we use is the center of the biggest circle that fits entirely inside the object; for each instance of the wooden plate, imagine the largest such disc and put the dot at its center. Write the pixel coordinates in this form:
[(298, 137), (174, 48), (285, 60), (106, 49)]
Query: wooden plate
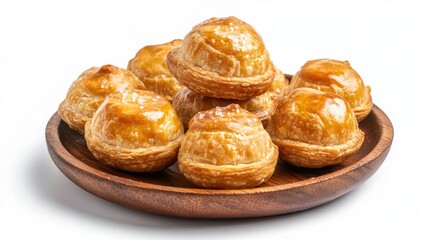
[(167, 192)]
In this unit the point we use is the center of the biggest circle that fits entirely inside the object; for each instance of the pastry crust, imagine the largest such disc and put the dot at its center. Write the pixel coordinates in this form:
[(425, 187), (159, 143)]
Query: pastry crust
[(227, 147), (280, 85), (136, 131), (337, 77), (150, 66), (187, 103), (314, 129), (88, 92), (223, 58)]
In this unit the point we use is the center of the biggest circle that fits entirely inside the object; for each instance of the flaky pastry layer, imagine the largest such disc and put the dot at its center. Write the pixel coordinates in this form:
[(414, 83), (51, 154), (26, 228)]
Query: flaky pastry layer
[(230, 176), (188, 103), (149, 159), (213, 85), (307, 155)]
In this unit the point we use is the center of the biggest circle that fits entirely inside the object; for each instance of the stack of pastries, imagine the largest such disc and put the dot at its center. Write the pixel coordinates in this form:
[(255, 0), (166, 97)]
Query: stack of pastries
[(216, 103), (224, 61)]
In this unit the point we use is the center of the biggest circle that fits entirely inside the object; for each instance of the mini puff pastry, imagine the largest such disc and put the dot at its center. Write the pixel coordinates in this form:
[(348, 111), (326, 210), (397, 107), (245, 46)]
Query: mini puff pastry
[(88, 92), (223, 58), (337, 77), (280, 85), (187, 104), (136, 131), (149, 66), (227, 147), (314, 129)]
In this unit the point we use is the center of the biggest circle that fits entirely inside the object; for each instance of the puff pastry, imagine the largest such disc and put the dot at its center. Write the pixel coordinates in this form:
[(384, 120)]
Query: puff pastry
[(280, 85), (150, 67), (88, 92), (337, 77), (227, 147), (223, 58), (314, 129), (187, 104), (136, 131)]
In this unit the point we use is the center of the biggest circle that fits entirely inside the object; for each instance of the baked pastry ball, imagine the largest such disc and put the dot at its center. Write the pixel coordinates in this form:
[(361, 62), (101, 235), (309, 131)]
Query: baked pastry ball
[(337, 77), (223, 58), (88, 92), (150, 67), (314, 129), (136, 131), (227, 147), (280, 86), (187, 103)]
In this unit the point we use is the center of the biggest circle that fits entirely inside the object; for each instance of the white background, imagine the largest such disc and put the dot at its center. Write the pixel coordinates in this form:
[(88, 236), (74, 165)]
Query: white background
[(45, 45)]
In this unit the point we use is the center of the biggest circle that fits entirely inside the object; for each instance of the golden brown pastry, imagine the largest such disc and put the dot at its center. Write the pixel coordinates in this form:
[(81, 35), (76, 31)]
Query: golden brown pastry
[(314, 129), (227, 147), (337, 77), (280, 85), (223, 58), (150, 67), (89, 90), (187, 104), (137, 131)]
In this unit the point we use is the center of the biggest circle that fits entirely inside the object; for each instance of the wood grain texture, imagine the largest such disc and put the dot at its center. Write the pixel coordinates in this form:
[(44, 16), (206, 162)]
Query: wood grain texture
[(167, 192)]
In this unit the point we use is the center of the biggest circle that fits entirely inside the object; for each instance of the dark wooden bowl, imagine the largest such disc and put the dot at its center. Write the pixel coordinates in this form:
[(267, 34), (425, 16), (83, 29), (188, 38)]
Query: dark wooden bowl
[(167, 192)]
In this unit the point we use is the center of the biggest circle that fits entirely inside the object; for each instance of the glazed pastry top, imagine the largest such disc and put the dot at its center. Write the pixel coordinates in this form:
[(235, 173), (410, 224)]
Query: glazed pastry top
[(149, 61), (231, 118), (87, 93), (150, 66), (107, 79), (314, 117), (332, 76), (227, 46), (136, 119)]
